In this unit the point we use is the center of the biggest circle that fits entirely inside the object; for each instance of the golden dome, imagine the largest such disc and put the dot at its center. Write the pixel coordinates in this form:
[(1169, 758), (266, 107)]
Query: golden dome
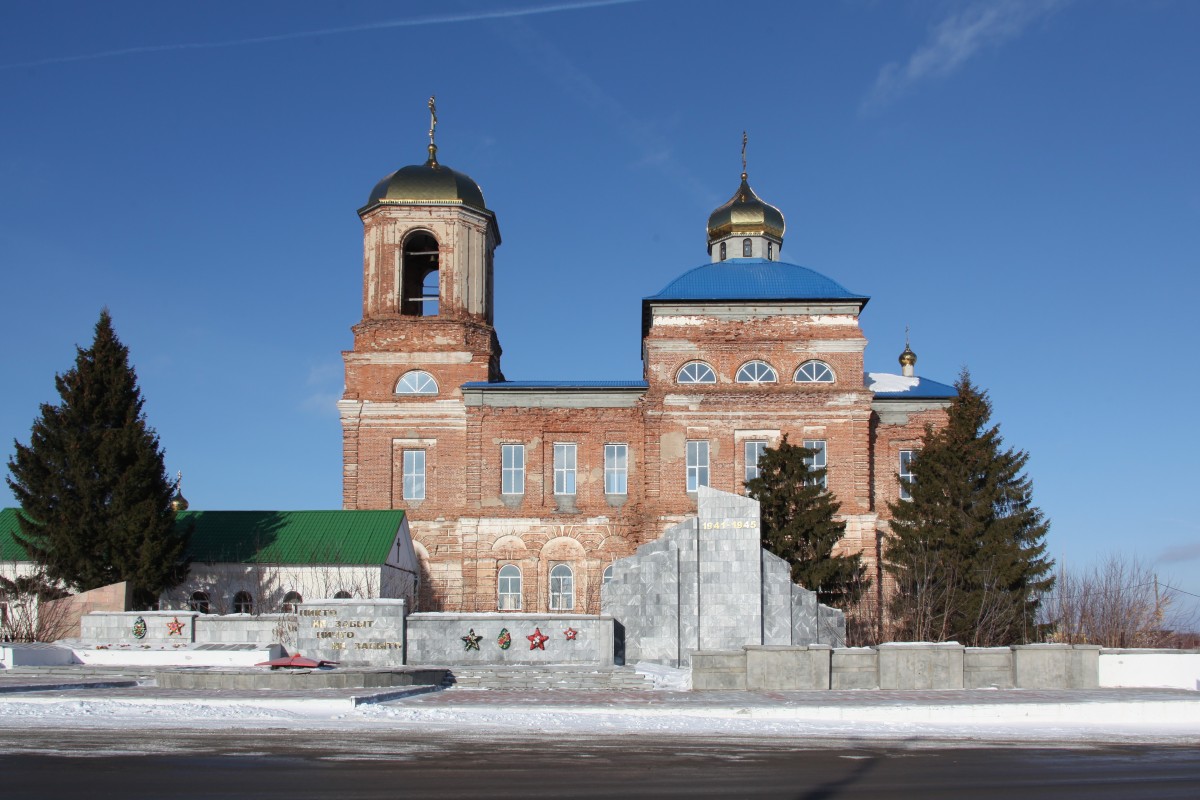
[(908, 358), (179, 502), (746, 213), (427, 184)]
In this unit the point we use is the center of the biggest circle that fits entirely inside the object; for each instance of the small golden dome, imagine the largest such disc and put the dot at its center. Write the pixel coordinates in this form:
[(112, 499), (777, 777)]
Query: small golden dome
[(908, 358), (746, 213), (179, 502)]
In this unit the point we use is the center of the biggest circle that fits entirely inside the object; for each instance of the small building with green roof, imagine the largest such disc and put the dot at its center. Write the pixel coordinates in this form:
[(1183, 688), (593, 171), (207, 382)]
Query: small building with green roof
[(270, 561)]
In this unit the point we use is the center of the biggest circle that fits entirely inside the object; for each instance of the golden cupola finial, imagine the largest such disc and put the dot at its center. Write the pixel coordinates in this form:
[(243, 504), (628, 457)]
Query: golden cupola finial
[(432, 162), (908, 359), (179, 502), (746, 214)]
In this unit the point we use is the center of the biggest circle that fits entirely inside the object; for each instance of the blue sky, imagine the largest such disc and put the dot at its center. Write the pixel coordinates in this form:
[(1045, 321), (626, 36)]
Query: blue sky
[(1018, 181)]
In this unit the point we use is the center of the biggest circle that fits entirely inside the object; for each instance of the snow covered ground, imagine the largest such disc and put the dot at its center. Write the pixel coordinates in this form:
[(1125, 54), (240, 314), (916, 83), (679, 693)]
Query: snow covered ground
[(966, 718)]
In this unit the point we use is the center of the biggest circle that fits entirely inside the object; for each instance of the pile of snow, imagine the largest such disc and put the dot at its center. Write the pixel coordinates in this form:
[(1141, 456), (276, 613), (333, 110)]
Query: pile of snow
[(664, 677)]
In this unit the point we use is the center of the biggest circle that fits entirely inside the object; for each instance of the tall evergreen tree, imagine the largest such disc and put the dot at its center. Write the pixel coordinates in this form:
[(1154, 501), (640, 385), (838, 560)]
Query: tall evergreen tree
[(798, 524), (94, 493), (967, 551)]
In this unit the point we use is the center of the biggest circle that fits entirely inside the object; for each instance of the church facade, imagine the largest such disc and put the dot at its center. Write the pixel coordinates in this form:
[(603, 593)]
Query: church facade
[(521, 494)]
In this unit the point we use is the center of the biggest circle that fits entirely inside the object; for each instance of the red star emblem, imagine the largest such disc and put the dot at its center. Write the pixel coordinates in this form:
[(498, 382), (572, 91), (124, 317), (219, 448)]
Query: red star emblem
[(570, 633), (537, 639), (175, 627)]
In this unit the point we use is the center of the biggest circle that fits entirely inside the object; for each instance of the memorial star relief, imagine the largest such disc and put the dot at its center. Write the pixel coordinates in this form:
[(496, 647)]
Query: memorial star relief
[(175, 627), (570, 633), (537, 639), (471, 640)]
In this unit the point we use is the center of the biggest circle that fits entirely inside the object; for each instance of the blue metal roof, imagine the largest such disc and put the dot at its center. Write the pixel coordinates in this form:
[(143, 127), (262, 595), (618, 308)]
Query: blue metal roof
[(555, 385), (923, 389), (754, 279)]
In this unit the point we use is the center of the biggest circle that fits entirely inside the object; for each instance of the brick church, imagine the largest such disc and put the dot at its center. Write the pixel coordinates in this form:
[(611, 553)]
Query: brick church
[(520, 494)]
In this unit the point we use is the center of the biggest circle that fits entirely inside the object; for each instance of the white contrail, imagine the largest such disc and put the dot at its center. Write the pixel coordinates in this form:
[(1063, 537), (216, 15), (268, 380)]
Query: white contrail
[(447, 19)]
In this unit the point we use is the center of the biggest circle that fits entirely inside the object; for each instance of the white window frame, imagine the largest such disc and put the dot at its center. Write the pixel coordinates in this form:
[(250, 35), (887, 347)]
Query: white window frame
[(747, 247), (696, 372), (416, 381), (562, 588), (608, 575), (509, 583), (814, 371), (905, 473), (616, 468), (512, 469), (697, 464), (565, 462), (756, 372), (753, 450), (413, 485), (819, 459)]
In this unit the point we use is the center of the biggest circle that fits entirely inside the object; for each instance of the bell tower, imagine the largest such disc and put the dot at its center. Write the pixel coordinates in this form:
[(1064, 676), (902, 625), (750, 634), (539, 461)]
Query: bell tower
[(426, 327)]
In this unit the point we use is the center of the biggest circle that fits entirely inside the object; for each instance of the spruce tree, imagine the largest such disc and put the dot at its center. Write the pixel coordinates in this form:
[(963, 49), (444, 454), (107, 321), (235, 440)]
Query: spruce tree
[(967, 551), (798, 525), (95, 497)]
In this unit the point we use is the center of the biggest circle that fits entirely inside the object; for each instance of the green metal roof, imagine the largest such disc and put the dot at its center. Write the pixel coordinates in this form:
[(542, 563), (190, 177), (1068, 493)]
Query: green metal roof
[(269, 537), (292, 537), (10, 548)]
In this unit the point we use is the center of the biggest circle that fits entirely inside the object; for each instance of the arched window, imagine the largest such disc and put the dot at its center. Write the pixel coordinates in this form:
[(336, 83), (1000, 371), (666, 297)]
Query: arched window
[(416, 382), (199, 603), (696, 372), (770, 251), (290, 601), (608, 573), (722, 251), (508, 589), (419, 276), (747, 248), (814, 372), (756, 372), (562, 588), (341, 595), (243, 603)]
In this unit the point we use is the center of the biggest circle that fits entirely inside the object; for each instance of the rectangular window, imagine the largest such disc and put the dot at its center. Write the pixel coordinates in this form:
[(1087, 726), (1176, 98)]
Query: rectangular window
[(906, 476), (564, 468), (414, 474), (817, 459), (512, 468), (697, 465), (754, 451), (616, 469)]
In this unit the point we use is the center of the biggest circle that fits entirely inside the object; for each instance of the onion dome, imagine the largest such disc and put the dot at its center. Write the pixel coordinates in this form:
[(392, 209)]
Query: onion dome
[(179, 502), (908, 358), (745, 214)]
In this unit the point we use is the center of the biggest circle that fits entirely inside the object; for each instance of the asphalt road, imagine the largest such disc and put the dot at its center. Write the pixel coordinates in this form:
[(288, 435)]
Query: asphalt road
[(275, 764)]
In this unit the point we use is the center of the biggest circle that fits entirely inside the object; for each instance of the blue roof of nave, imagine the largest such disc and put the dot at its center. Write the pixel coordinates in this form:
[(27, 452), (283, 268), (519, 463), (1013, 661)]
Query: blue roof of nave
[(754, 279)]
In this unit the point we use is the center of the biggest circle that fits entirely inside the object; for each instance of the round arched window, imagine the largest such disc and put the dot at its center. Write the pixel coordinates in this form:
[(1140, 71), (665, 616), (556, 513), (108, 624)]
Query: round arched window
[(243, 603), (814, 372), (696, 372), (416, 382), (290, 601), (562, 588), (508, 588), (756, 372), (199, 602)]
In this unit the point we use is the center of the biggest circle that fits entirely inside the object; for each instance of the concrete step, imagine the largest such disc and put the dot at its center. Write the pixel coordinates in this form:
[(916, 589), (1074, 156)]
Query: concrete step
[(549, 677)]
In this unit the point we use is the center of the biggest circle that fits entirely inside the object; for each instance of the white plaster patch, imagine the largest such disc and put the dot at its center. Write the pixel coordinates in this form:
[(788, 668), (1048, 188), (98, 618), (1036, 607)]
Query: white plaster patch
[(679, 321), (834, 319)]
